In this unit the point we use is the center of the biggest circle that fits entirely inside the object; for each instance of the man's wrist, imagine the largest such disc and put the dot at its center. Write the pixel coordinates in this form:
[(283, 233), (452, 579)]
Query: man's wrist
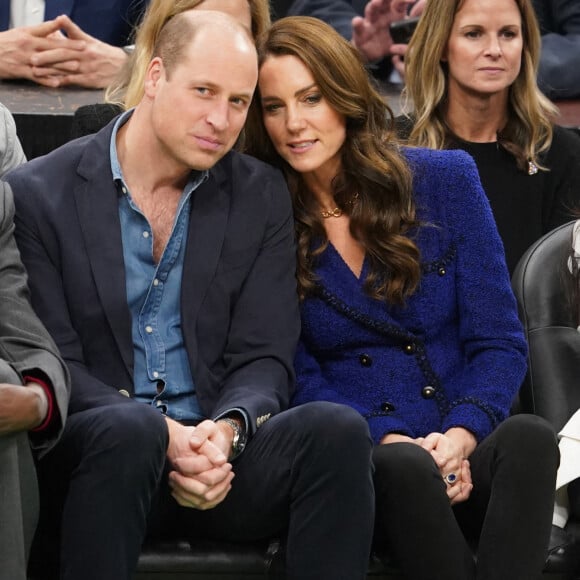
[(239, 434), (44, 398), (42, 404)]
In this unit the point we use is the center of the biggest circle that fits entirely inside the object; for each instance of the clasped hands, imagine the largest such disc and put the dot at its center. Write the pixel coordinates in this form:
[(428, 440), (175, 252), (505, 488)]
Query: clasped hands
[(449, 451), (58, 53), (201, 476)]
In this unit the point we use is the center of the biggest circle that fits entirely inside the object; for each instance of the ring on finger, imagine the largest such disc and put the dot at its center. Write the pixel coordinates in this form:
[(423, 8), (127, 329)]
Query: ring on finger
[(450, 478)]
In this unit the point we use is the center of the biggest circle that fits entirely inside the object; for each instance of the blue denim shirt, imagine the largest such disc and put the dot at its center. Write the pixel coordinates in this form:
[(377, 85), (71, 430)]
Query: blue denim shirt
[(162, 375)]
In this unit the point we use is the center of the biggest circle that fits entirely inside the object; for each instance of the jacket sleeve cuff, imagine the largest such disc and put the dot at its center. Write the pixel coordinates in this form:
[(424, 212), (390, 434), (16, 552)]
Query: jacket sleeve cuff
[(50, 398), (381, 426)]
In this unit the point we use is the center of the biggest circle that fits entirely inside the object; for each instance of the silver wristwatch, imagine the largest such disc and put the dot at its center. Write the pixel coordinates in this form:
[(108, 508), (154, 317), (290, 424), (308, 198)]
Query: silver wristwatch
[(240, 436)]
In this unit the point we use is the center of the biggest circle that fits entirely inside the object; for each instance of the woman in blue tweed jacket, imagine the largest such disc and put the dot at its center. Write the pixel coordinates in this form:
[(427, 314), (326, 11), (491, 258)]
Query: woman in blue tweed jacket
[(408, 315)]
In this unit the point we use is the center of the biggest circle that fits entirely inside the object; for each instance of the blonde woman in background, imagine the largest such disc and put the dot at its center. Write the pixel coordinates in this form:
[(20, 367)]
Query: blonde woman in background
[(471, 76)]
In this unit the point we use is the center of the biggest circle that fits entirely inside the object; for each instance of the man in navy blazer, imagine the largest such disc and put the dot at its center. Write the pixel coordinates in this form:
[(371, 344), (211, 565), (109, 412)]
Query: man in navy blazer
[(163, 265), (67, 42)]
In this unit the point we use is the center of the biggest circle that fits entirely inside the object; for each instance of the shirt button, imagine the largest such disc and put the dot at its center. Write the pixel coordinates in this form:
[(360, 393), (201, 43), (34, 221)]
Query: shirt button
[(156, 282), (387, 407), (148, 329), (365, 360), (428, 392), (410, 348), (145, 234), (155, 374), (124, 189), (124, 392), (442, 271)]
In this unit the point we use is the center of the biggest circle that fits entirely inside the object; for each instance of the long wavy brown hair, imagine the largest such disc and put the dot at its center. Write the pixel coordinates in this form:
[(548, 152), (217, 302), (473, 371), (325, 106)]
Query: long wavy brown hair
[(528, 132), (372, 164)]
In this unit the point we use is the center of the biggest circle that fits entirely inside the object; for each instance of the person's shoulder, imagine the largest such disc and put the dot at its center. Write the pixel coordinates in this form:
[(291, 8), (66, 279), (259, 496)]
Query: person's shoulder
[(576, 237), (563, 157), (438, 162), (445, 182), (53, 170), (403, 125), (565, 138), (243, 169)]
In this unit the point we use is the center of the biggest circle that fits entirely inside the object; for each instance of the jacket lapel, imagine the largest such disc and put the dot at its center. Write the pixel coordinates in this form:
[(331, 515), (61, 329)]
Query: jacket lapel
[(207, 227), (96, 199), (340, 284)]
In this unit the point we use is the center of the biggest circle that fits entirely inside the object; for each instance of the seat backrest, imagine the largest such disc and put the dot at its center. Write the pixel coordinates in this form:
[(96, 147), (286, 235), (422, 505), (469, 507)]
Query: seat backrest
[(541, 283), (91, 118)]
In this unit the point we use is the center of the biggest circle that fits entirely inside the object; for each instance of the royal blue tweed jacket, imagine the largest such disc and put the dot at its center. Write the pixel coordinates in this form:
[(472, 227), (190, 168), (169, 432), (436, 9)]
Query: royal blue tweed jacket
[(455, 354)]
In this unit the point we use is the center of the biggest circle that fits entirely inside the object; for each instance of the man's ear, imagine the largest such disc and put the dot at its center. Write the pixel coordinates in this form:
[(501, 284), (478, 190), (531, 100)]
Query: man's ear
[(154, 74)]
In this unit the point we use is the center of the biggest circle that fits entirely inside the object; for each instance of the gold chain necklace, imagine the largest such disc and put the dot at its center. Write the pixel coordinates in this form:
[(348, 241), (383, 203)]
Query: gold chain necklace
[(337, 212)]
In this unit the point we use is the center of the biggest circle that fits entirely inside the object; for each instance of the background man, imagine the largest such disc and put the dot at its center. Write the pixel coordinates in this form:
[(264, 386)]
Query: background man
[(33, 400)]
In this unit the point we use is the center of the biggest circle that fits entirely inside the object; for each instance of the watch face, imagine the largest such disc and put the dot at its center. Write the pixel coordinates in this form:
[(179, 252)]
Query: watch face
[(239, 439), (239, 442)]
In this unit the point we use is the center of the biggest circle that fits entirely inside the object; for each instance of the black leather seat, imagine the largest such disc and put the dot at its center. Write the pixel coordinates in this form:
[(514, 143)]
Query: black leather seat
[(543, 287), (541, 283), (180, 560)]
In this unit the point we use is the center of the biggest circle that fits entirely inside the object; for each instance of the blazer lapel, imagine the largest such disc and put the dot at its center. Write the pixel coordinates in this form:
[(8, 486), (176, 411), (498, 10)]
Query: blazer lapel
[(96, 199), (207, 227)]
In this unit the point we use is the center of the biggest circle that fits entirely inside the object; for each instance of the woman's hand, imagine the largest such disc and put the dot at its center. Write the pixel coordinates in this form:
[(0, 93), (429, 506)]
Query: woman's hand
[(450, 452)]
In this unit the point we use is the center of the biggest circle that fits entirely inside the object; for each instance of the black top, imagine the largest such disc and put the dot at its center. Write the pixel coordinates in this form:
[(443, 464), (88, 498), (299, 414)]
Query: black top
[(525, 206)]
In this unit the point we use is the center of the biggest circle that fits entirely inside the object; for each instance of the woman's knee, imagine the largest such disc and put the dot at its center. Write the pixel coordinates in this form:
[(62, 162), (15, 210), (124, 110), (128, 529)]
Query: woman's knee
[(525, 433), (403, 465)]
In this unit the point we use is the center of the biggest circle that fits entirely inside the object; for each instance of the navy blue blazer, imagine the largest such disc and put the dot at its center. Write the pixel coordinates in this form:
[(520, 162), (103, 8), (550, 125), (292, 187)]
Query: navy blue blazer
[(239, 306), (111, 21)]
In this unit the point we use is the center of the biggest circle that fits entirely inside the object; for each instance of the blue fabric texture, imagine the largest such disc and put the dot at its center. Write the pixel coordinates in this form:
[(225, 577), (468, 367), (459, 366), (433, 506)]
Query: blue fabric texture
[(454, 354)]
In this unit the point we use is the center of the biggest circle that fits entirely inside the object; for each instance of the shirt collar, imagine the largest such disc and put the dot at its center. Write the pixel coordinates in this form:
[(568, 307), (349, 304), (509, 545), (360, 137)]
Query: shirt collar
[(196, 178)]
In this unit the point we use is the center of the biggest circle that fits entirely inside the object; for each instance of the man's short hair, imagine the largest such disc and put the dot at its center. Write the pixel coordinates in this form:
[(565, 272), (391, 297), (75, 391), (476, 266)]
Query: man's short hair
[(182, 29)]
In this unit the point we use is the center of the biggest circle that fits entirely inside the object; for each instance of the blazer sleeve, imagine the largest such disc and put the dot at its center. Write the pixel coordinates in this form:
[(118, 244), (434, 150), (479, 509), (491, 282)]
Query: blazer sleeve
[(11, 153), (265, 321), (40, 252), (24, 342), (489, 328)]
